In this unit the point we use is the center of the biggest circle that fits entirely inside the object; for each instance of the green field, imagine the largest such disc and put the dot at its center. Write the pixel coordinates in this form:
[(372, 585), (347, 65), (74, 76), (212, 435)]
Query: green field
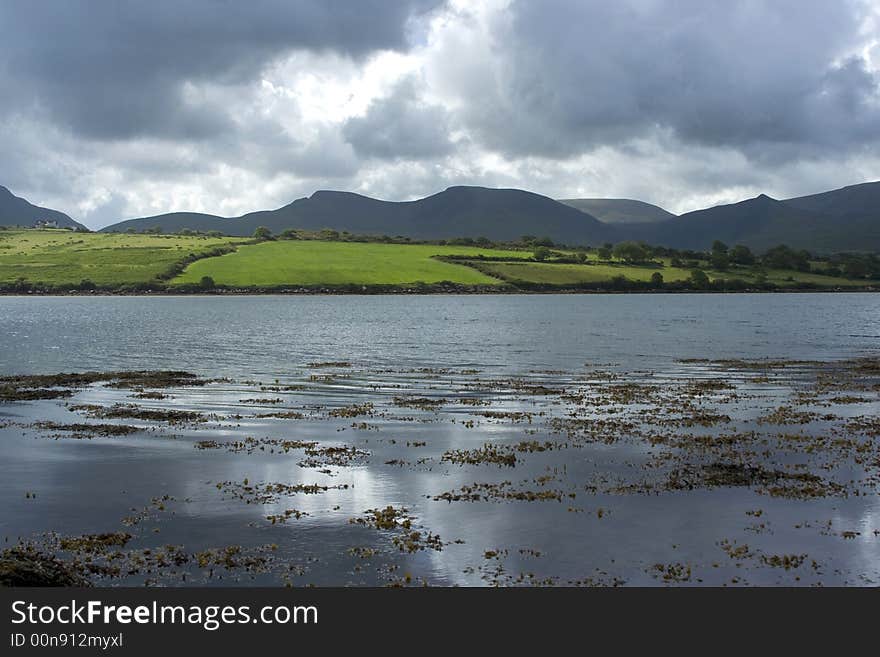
[(63, 257), (788, 278), (50, 260), (307, 263), (570, 274)]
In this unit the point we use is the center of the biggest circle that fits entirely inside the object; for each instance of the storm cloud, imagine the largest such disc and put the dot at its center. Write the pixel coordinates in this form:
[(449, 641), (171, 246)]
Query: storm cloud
[(567, 76), (112, 109), (119, 68)]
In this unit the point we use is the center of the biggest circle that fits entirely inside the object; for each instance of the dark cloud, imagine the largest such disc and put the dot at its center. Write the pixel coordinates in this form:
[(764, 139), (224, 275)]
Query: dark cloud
[(131, 107), (570, 76), (116, 68), (401, 126)]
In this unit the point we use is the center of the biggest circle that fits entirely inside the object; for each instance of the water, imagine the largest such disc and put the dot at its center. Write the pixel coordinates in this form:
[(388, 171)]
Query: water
[(271, 335), (528, 354)]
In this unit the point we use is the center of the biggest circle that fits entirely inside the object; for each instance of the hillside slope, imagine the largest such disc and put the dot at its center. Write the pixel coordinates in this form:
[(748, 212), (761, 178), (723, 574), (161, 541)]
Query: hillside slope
[(16, 211), (760, 223), (619, 210), (846, 219)]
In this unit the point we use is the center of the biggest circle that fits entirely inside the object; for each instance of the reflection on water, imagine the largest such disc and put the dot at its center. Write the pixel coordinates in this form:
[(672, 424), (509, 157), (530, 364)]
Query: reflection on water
[(630, 463)]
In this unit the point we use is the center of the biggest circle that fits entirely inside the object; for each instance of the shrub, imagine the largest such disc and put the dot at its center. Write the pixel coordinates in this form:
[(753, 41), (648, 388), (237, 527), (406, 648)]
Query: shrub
[(783, 257), (719, 261), (630, 252), (741, 255), (699, 280), (541, 253)]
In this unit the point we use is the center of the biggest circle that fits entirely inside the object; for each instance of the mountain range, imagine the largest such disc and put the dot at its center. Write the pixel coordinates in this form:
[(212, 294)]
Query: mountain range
[(846, 219), (499, 214)]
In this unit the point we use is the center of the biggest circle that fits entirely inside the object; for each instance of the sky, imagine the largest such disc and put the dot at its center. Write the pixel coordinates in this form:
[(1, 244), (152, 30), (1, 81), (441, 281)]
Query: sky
[(113, 109)]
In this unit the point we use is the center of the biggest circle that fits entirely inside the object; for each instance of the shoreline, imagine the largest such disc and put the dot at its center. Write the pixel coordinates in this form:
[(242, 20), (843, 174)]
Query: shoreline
[(427, 291)]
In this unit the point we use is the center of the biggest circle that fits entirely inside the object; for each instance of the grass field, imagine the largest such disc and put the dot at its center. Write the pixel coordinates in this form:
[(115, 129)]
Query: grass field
[(62, 257), (787, 278), (340, 263), (571, 274), (59, 258), (567, 274)]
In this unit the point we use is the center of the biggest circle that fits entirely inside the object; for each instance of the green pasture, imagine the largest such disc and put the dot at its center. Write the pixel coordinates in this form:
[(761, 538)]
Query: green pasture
[(271, 264), (63, 257), (548, 273), (66, 258)]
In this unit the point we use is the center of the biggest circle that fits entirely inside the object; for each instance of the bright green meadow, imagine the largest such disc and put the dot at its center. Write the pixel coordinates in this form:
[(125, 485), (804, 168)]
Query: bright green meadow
[(63, 257), (341, 263), (59, 258)]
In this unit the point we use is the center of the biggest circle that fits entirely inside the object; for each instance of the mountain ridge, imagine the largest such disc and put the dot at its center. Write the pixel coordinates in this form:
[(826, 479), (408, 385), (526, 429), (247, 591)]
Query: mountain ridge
[(15, 209), (844, 219), (457, 211)]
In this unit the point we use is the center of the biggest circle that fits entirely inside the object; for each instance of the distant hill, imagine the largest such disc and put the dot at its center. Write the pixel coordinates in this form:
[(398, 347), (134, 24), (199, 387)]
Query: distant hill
[(760, 223), (16, 211), (852, 217), (499, 214), (619, 210), (846, 219)]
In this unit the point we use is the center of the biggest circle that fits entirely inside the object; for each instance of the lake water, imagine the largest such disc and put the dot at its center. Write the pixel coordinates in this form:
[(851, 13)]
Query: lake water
[(583, 390)]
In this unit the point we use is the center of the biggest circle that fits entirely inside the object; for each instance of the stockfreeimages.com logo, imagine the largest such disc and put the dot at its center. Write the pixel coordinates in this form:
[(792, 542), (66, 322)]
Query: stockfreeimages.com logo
[(209, 617)]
